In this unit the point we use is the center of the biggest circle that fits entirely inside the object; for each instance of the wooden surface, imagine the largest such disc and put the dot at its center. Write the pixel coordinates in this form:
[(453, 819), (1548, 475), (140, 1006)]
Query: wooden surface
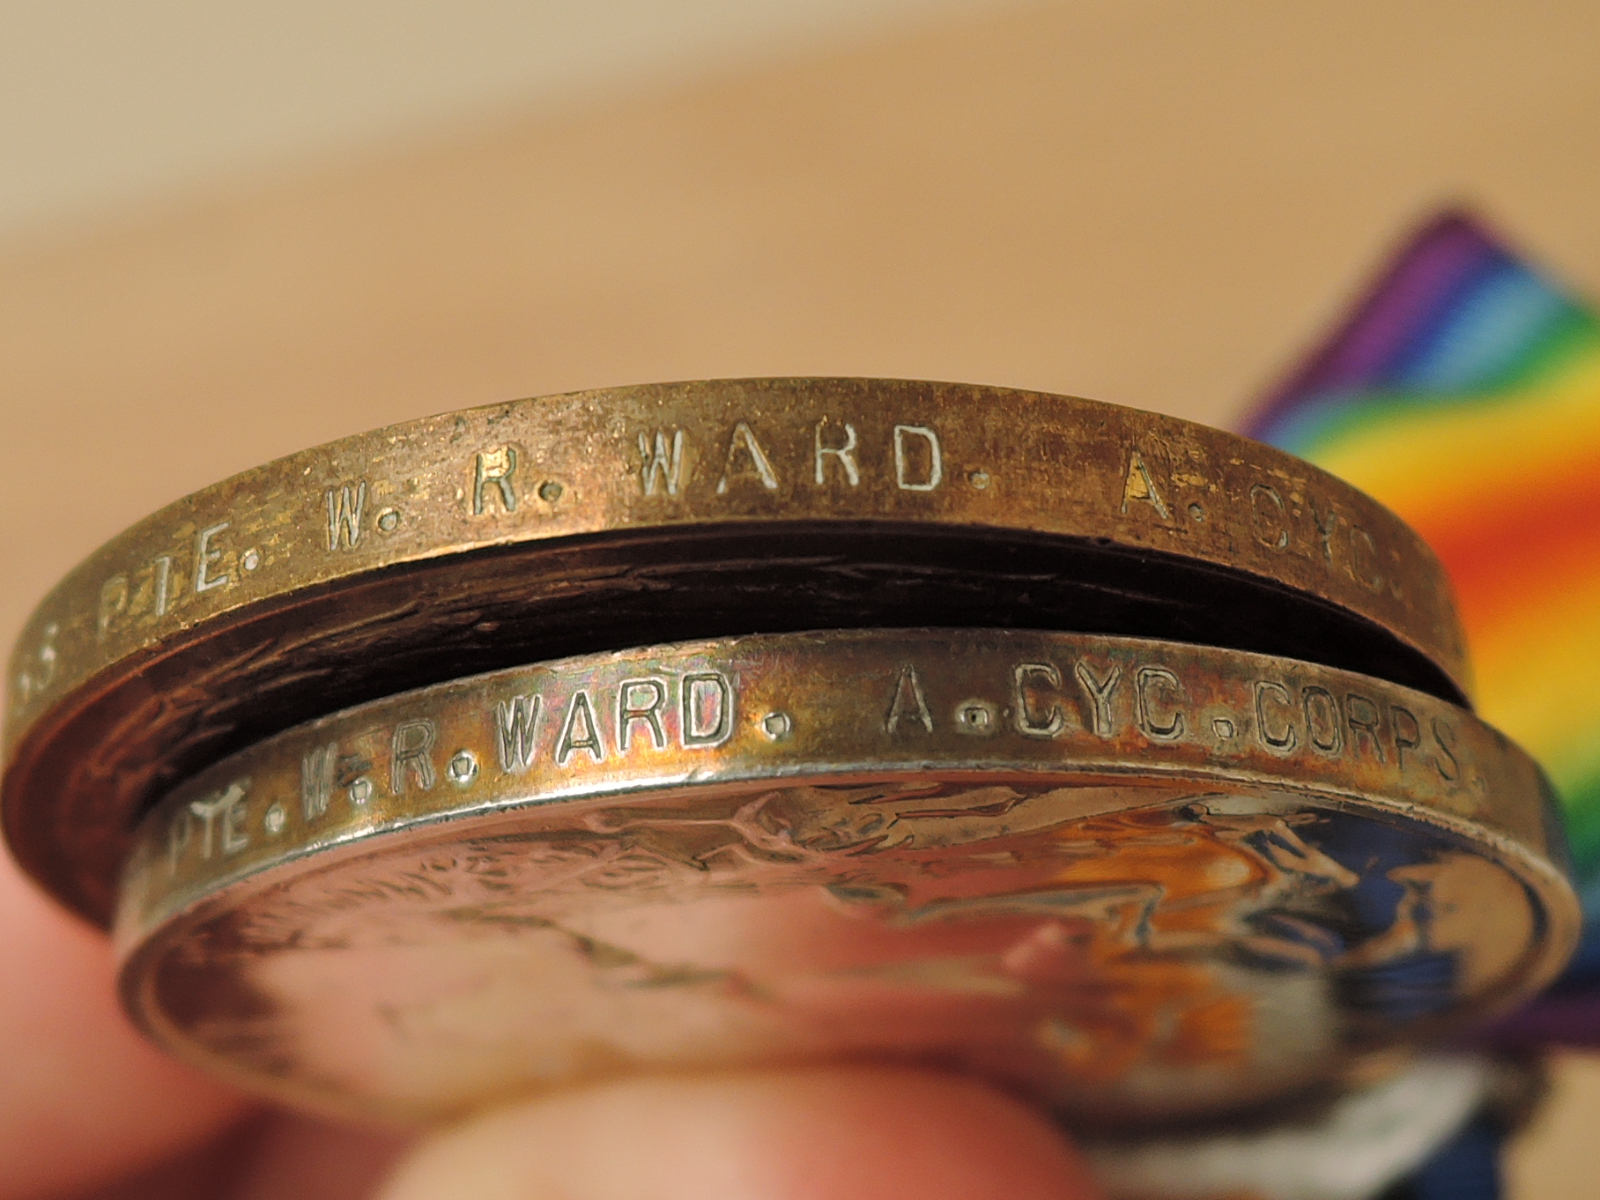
[(1150, 202)]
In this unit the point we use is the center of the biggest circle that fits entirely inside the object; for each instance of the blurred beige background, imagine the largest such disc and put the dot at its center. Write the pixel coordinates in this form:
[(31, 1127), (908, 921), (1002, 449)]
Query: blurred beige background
[(227, 232)]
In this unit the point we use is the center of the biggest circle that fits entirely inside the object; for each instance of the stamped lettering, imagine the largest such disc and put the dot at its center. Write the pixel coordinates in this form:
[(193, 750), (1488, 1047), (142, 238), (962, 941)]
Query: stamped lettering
[(1363, 718), (515, 722), (494, 475), (1178, 715), (1274, 723), (114, 595), (708, 704), (411, 755), (640, 701), (1326, 524), (345, 505), (1324, 722), (843, 455), (918, 458), (1270, 516), (579, 730), (1032, 720), (318, 768), (179, 832), (1155, 691), (746, 460), (1364, 567), (907, 702), (1445, 760), (1139, 486), (235, 836), (42, 663), (1098, 690), (1407, 733), (160, 581), (205, 559), (124, 597), (661, 462), (221, 818)]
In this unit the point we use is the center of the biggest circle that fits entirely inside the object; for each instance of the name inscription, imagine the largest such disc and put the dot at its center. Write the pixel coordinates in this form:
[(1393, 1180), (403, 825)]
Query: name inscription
[(571, 728), (913, 459), (563, 727), (521, 468)]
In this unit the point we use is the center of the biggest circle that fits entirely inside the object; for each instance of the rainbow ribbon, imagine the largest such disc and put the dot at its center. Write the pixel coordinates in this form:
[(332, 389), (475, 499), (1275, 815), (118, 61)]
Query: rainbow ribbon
[(1463, 391)]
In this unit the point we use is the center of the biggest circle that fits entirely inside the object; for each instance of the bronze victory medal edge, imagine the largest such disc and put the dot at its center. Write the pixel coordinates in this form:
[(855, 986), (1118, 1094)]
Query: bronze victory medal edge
[(1139, 880), (577, 523)]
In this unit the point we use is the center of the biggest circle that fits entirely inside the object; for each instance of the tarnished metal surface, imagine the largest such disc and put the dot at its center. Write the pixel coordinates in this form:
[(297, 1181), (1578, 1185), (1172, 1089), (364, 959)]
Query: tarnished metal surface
[(583, 522), (1138, 880)]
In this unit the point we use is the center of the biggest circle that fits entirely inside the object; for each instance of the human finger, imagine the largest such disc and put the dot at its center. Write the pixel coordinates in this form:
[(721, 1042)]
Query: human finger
[(83, 1097), (835, 1133)]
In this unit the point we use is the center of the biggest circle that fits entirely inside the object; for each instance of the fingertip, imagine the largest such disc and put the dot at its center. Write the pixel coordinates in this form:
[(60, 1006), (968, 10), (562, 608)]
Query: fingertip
[(834, 1133), (83, 1096)]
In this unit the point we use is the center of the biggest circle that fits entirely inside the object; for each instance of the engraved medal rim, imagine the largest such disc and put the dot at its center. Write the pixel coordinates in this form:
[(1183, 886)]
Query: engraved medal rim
[(816, 651), (36, 724), (1449, 656)]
